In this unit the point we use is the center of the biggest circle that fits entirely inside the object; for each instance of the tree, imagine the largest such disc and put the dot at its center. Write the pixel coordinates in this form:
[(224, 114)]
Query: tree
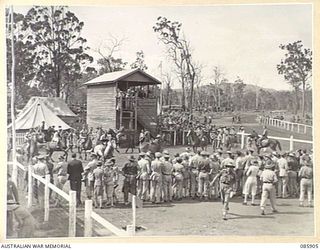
[(59, 48), (24, 57), (168, 88), (106, 50), (296, 68), (179, 50), (238, 88), (139, 62)]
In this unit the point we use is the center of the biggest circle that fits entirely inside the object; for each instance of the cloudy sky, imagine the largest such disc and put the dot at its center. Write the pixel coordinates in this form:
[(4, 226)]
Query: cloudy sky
[(243, 40)]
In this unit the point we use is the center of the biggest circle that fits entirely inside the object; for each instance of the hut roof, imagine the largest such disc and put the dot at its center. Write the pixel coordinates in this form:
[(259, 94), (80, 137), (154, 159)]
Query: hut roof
[(131, 75)]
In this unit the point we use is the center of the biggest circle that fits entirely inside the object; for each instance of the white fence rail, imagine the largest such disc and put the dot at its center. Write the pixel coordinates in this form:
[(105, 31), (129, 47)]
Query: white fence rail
[(89, 215), (290, 126), (173, 136), (291, 140)]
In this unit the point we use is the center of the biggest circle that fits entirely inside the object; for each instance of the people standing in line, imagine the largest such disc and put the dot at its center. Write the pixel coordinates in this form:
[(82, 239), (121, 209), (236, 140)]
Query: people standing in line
[(75, 170), (269, 180), (130, 172)]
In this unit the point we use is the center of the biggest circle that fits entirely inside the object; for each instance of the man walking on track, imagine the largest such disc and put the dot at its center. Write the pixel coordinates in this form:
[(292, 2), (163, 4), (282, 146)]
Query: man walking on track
[(227, 179), (75, 170), (269, 179)]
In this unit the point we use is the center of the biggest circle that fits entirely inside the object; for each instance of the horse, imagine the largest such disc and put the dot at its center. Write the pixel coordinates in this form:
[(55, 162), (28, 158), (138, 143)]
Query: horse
[(155, 146), (60, 146), (85, 145), (231, 140), (197, 140), (268, 143), (145, 143)]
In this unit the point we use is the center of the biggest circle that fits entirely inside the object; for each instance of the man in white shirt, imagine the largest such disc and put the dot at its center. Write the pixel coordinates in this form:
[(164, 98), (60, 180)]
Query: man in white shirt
[(283, 176)]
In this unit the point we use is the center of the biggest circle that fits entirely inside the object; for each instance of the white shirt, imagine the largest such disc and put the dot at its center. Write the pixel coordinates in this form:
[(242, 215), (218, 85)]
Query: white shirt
[(283, 167)]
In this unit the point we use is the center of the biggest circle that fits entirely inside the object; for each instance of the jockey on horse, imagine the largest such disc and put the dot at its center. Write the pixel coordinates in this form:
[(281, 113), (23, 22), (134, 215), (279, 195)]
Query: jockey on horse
[(263, 137)]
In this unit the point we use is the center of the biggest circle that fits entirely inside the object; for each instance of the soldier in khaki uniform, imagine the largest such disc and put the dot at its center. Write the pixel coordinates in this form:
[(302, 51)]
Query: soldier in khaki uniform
[(186, 175), (194, 172), (167, 179), (214, 166), (98, 185), (143, 177), (204, 170), (178, 178), (269, 179), (156, 179), (130, 172), (306, 175), (227, 179)]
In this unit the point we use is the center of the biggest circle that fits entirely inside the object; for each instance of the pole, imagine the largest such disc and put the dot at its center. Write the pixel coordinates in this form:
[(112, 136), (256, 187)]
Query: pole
[(14, 158), (87, 219), (72, 213), (46, 198), (30, 186), (161, 94), (134, 206)]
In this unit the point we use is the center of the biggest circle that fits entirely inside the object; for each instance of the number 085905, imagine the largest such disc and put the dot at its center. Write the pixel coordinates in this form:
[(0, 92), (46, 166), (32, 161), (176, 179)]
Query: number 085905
[(309, 246)]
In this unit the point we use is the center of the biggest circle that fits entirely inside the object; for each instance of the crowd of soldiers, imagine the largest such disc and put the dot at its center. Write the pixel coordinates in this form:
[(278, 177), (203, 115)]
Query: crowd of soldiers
[(161, 177)]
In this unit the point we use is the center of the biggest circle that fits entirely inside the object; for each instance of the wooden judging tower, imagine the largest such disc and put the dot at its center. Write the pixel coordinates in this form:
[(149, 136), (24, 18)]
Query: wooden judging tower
[(126, 98)]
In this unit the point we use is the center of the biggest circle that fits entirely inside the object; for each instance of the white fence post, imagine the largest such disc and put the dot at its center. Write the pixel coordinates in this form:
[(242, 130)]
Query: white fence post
[(134, 208), (305, 129), (174, 137), (72, 213), (87, 218), (30, 186), (46, 198), (291, 142), (242, 140)]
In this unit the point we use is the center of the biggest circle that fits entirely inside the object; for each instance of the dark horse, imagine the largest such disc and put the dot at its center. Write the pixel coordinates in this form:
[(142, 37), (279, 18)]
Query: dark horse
[(60, 146), (268, 143), (196, 141)]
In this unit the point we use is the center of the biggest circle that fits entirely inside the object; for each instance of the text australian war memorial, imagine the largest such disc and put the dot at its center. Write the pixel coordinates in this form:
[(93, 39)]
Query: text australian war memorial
[(159, 132)]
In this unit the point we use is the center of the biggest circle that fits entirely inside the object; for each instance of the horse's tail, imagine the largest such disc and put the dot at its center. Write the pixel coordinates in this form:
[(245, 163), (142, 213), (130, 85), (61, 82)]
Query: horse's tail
[(279, 145)]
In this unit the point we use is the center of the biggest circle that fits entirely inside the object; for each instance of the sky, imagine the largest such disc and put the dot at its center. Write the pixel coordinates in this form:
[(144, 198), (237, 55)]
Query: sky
[(243, 40)]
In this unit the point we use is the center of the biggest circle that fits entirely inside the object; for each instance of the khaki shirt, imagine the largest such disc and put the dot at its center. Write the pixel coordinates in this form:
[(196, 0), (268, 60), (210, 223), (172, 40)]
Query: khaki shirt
[(144, 167), (268, 176), (167, 168), (306, 172), (156, 166)]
